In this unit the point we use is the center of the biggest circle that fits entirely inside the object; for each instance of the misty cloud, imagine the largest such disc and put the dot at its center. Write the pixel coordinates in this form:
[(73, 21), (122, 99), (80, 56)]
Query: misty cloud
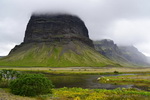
[(124, 21), (5, 48)]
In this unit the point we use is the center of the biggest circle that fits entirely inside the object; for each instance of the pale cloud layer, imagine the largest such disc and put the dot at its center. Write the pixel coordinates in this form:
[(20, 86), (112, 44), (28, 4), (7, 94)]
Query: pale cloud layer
[(126, 22)]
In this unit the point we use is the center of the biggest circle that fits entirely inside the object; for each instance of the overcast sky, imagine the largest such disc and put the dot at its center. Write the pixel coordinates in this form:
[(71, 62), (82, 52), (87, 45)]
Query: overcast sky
[(127, 22)]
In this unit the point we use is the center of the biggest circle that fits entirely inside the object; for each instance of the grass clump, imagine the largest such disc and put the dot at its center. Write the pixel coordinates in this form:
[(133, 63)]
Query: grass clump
[(116, 72), (31, 85)]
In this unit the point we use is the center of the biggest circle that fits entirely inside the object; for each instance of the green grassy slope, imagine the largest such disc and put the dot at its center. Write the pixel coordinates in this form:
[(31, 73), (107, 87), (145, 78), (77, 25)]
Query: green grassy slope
[(55, 55)]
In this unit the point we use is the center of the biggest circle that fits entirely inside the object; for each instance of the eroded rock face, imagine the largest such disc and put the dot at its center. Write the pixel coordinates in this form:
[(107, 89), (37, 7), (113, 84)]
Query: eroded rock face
[(60, 27), (108, 48)]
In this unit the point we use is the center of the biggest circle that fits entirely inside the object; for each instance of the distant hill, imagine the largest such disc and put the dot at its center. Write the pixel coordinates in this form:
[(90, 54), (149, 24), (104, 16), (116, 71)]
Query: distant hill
[(125, 55), (109, 49)]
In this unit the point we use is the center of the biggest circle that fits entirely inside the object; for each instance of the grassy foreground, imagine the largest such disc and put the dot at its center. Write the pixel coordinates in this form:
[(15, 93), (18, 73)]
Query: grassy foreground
[(83, 94), (88, 94)]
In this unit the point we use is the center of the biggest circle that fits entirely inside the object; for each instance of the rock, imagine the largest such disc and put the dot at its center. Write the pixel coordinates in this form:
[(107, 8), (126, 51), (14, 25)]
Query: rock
[(56, 27), (100, 78), (107, 47)]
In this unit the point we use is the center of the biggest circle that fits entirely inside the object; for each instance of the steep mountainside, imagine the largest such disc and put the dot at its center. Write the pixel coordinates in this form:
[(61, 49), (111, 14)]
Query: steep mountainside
[(55, 55), (56, 41), (133, 55), (126, 55), (149, 60)]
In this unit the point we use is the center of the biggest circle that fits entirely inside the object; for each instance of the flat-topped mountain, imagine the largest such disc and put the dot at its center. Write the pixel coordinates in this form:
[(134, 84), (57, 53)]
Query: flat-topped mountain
[(56, 40), (52, 28)]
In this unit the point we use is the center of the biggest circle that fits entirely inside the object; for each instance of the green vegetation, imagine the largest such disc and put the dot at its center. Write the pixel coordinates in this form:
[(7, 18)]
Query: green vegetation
[(100, 94), (85, 94), (6, 75), (6, 95), (79, 93), (31, 85), (142, 80), (23, 84), (81, 70), (55, 55)]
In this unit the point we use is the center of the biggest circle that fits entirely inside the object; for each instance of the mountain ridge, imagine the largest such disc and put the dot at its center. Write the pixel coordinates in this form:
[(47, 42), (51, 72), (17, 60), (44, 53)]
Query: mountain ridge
[(125, 55)]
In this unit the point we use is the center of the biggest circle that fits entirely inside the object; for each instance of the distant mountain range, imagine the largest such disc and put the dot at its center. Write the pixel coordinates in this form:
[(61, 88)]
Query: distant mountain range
[(125, 55)]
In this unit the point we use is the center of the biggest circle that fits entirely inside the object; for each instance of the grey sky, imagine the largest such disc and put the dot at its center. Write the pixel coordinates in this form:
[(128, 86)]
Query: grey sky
[(126, 22)]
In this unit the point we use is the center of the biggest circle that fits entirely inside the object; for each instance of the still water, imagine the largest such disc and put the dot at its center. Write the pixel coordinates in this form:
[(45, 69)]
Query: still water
[(83, 81)]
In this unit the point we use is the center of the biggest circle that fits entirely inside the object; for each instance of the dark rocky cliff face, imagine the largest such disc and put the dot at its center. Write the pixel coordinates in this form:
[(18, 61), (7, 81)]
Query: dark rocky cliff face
[(61, 28), (107, 47)]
